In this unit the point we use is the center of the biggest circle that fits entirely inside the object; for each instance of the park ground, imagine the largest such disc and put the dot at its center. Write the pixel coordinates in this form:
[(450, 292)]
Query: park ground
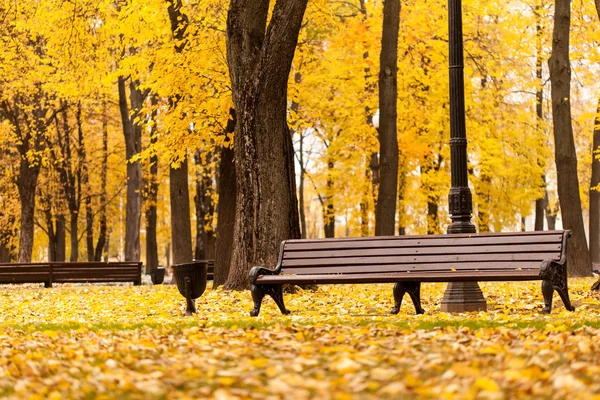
[(340, 342)]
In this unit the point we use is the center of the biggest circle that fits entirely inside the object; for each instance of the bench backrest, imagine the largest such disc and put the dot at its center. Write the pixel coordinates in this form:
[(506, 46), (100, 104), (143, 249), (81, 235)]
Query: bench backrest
[(522, 251), (92, 271), (25, 273)]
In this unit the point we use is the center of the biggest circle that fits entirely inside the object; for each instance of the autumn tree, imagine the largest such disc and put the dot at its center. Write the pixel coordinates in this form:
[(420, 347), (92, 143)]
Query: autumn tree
[(594, 220), (564, 147), (385, 212), (260, 53)]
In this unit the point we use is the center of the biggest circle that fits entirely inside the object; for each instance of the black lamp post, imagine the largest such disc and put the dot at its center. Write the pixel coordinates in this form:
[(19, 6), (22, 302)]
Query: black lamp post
[(459, 296)]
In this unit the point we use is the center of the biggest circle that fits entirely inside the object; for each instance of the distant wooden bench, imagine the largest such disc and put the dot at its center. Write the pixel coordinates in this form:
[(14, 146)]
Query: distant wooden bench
[(97, 272), (409, 260), (26, 273), (71, 272), (210, 271)]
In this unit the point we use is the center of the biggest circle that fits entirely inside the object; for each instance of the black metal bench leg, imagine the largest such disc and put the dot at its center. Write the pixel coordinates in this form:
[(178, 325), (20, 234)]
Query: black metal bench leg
[(399, 291), (547, 291), (257, 297), (414, 291), (276, 292), (564, 295)]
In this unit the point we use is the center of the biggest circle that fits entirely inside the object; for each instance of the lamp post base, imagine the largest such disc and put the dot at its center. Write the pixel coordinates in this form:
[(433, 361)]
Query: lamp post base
[(463, 297)]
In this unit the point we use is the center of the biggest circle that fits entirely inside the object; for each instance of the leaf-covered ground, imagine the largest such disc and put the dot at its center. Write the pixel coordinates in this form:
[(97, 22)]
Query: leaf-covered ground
[(339, 343)]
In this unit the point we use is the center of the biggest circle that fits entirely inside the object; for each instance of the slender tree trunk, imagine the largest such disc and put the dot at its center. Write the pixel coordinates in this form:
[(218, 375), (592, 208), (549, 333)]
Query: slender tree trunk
[(205, 237), (225, 208), (259, 62), (61, 238), (540, 204), (4, 253), (385, 211), (103, 235), (565, 155), (551, 213), (329, 206), (151, 212), (594, 193), (301, 188), (132, 134), (181, 225)]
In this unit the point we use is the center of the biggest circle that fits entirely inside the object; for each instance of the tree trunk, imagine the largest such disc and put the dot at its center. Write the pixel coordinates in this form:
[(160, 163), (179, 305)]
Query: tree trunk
[(329, 206), (132, 134), (301, 188), (594, 193), (27, 183), (540, 204), (385, 211), (151, 213), (103, 235), (594, 223), (225, 209), (565, 155), (181, 226), (205, 237), (259, 62), (4, 253)]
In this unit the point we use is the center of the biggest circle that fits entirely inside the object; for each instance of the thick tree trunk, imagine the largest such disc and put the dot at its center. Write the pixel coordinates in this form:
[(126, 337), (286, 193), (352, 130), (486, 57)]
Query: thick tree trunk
[(181, 226), (259, 62), (595, 194), (385, 211), (565, 155), (132, 134), (225, 210)]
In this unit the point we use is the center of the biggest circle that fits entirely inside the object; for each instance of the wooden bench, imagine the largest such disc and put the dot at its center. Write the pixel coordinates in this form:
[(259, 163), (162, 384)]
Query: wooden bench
[(26, 273), (409, 260), (96, 272), (71, 272)]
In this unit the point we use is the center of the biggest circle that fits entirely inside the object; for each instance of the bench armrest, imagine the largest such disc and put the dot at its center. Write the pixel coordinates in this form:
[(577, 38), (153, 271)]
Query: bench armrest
[(255, 272)]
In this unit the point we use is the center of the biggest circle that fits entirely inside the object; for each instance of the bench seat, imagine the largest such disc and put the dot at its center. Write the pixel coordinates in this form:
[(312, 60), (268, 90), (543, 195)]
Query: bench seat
[(409, 260)]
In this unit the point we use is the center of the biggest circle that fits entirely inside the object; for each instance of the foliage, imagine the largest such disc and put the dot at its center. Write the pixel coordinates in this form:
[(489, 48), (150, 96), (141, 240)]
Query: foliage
[(339, 343)]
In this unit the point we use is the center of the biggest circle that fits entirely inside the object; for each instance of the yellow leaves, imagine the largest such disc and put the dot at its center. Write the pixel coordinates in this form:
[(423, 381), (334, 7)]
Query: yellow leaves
[(137, 344)]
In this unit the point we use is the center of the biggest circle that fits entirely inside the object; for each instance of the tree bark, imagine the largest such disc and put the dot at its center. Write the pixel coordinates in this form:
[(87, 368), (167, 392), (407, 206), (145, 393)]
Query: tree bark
[(595, 194), (329, 206), (225, 209), (385, 211), (205, 237), (103, 234), (540, 204), (259, 62), (132, 134), (565, 156), (151, 213), (181, 225), (27, 184), (594, 223)]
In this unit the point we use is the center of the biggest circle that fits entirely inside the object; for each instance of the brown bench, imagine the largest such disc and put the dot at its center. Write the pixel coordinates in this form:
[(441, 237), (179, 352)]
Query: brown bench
[(26, 273), (96, 272), (71, 272), (409, 260)]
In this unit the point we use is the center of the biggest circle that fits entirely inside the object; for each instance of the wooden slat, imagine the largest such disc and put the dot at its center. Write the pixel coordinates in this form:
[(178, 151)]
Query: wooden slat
[(425, 241), (515, 248), (501, 275), (371, 269), (327, 262)]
